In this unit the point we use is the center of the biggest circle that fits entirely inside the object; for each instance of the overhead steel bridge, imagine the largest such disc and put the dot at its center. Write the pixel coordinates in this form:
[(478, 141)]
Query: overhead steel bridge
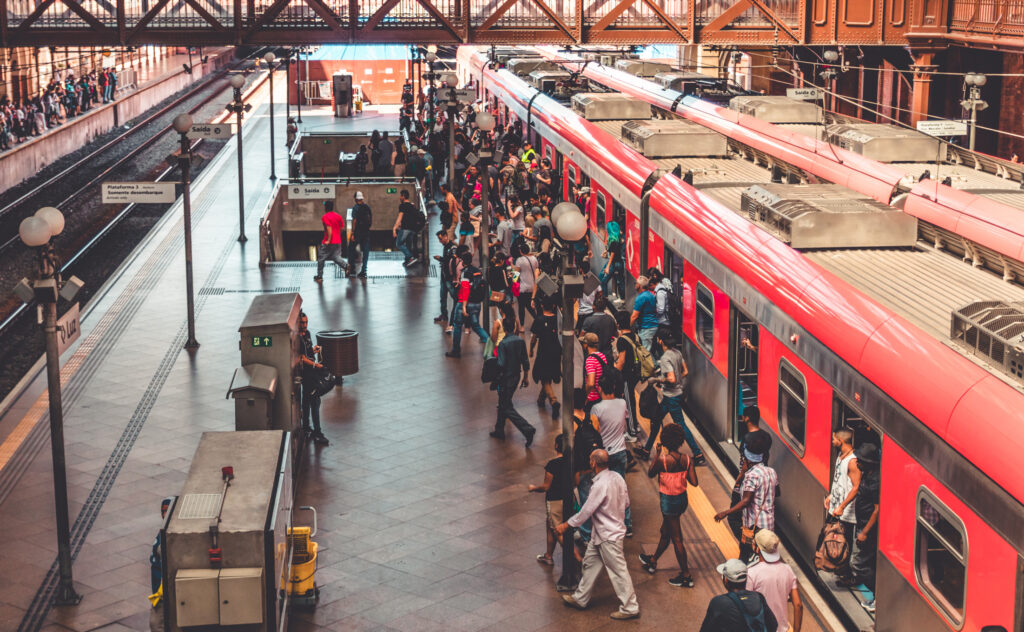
[(985, 23)]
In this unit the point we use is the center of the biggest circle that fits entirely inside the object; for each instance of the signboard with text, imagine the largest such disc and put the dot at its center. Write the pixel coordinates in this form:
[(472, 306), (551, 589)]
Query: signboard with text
[(311, 192), (804, 94), (139, 192), (942, 128), (211, 130), (69, 328)]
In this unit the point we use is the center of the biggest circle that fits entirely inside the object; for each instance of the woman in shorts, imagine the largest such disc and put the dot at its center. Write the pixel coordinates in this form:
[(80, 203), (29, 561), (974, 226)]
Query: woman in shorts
[(674, 470), (557, 487)]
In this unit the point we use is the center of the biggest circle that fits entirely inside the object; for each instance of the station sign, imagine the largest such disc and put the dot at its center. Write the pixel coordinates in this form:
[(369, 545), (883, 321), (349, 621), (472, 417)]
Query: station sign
[(211, 130), (137, 192), (69, 328), (942, 128), (804, 94), (463, 95), (310, 191)]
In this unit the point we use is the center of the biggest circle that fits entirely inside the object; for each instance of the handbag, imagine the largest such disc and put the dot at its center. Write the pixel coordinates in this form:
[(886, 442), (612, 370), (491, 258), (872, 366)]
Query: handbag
[(497, 296), (490, 370)]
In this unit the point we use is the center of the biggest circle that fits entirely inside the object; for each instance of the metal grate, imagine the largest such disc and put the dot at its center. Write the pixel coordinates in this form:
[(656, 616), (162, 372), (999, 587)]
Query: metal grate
[(199, 506), (994, 329)]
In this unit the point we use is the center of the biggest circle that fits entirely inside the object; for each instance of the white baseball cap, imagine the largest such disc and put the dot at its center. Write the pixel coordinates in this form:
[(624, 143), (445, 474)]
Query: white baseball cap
[(359, 195), (768, 543)]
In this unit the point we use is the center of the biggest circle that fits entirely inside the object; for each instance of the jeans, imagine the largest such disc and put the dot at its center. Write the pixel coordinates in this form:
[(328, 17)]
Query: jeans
[(615, 273), (363, 243), (646, 336), (617, 463), (446, 290), (864, 559), (329, 252), (473, 315), (310, 408), (402, 242), (632, 426), (108, 92), (674, 406), (506, 389)]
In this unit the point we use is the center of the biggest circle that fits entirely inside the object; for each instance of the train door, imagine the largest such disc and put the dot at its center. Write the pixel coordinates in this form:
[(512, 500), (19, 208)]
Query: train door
[(674, 272), (743, 346)]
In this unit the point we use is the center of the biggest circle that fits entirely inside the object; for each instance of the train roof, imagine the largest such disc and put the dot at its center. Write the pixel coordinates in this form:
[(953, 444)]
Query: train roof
[(973, 409)]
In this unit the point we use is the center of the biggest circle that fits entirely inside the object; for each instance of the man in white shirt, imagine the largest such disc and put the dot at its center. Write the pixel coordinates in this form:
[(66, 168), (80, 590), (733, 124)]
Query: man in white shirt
[(606, 509), (609, 417)]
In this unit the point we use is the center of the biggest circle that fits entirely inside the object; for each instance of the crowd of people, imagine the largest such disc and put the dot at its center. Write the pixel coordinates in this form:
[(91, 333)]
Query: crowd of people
[(62, 99), (628, 365)]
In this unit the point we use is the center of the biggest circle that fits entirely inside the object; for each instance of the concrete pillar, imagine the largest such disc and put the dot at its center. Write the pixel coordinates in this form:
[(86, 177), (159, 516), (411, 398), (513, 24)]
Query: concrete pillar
[(922, 67)]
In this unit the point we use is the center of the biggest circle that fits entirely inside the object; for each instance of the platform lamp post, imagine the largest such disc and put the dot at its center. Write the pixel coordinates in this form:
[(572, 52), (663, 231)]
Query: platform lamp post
[(183, 125), (269, 58), (239, 108), (571, 225), (431, 58), (299, 92), (36, 232), (829, 75), (974, 81), (451, 81), (485, 122)]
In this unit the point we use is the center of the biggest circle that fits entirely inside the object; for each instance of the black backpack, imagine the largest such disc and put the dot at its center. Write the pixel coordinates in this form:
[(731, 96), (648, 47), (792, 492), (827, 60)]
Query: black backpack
[(477, 287), (418, 221), (674, 311), (755, 623)]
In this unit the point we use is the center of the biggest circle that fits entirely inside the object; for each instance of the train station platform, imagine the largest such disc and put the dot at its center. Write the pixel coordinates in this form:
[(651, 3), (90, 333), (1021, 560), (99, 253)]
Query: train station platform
[(154, 81), (425, 521)]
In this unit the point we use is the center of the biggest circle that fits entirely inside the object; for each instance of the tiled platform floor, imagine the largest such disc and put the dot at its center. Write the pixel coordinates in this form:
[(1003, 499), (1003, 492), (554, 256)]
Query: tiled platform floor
[(425, 521)]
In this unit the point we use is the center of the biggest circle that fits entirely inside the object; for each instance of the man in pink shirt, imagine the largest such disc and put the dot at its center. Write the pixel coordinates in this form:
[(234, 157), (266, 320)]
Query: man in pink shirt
[(775, 580), (332, 243)]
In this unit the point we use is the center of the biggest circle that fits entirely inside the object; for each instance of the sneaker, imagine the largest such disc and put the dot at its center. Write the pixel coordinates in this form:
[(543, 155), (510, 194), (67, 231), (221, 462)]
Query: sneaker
[(453, 354), (529, 438), (569, 600), (440, 319), (495, 435), (318, 279), (648, 563), (556, 410), (448, 330), (362, 275), (320, 439), (700, 460), (620, 615), (682, 581), (631, 438), (411, 262), (869, 606), (629, 532)]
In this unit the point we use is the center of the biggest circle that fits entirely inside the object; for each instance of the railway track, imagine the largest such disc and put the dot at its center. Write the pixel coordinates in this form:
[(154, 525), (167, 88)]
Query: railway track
[(99, 236)]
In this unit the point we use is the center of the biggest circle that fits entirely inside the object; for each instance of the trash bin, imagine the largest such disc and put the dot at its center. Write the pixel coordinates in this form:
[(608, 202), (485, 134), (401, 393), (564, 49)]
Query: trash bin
[(253, 388), (340, 351)]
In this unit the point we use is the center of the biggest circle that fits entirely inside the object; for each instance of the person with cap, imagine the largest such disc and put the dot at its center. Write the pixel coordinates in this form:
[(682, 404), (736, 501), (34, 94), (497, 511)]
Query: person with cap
[(757, 500), (865, 551), (331, 246), (605, 507), (593, 366), (362, 221), (775, 580), (739, 609)]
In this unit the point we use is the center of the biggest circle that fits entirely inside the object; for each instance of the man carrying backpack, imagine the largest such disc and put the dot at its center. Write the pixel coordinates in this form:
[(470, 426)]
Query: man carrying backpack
[(673, 390), (408, 224), (667, 305), (472, 292), (739, 609), (635, 363)]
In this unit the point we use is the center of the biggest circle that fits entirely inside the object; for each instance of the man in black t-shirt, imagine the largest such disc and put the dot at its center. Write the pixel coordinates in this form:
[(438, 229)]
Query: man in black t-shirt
[(602, 324), (407, 224), (626, 345), (362, 221), (866, 510), (444, 260), (557, 487)]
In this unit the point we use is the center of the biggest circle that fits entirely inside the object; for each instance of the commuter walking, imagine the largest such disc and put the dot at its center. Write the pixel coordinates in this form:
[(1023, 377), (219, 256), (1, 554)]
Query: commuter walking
[(606, 508), (672, 380), (445, 261), (739, 609), (757, 501), (512, 361), (645, 311), (593, 367), (362, 222), (331, 246), (409, 222), (547, 366), (674, 471), (609, 417), (472, 292), (629, 362), (557, 486), (776, 581)]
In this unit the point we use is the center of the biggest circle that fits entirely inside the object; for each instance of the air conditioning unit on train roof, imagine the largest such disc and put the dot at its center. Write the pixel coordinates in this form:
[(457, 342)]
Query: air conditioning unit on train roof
[(641, 68), (523, 66), (678, 79), (827, 216), (609, 106), (776, 109), (546, 80), (676, 138), (885, 143), (995, 330)]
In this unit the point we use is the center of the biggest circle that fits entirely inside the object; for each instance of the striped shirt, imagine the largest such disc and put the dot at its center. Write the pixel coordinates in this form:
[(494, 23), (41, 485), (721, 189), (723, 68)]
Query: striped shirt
[(761, 480), (593, 365)]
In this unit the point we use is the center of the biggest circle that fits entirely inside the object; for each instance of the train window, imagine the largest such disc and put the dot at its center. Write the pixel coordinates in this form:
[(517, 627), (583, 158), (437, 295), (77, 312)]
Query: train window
[(941, 556), (792, 405), (601, 203), (705, 320)]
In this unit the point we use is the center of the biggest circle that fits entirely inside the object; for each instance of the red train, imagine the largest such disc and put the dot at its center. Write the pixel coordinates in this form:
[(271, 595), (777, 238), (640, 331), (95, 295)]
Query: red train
[(829, 353)]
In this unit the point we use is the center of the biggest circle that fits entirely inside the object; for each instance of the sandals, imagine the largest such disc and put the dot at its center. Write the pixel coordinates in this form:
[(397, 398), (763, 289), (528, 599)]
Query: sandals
[(544, 559)]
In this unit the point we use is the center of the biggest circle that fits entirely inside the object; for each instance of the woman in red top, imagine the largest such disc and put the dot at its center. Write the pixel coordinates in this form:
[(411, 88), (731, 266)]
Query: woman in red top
[(673, 469)]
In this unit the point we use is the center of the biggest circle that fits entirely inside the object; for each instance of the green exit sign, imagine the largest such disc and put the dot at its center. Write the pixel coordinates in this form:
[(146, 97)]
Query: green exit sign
[(392, 190), (262, 341)]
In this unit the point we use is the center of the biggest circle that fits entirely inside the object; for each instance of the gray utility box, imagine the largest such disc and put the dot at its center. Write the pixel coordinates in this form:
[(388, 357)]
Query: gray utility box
[(241, 592), (827, 216), (885, 143), (341, 91), (523, 66), (270, 337), (776, 109), (546, 80), (641, 68), (253, 387), (675, 138), (679, 80), (609, 106)]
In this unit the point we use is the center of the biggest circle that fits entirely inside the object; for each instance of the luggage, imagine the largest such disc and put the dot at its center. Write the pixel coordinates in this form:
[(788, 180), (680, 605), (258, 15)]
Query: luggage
[(834, 551)]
